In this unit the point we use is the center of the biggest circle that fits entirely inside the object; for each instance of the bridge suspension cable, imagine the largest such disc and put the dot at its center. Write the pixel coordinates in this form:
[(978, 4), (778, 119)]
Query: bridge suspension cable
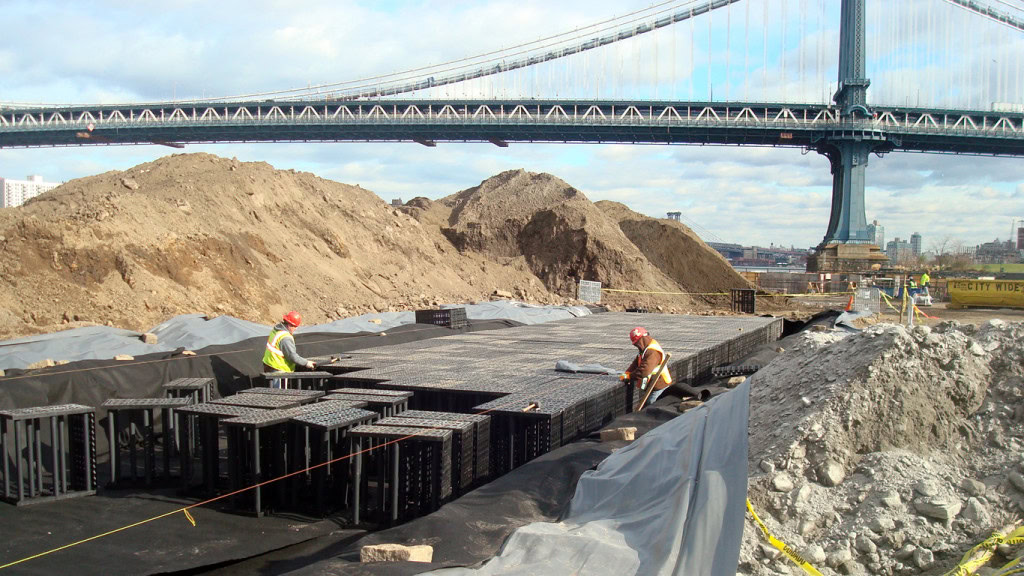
[(991, 13)]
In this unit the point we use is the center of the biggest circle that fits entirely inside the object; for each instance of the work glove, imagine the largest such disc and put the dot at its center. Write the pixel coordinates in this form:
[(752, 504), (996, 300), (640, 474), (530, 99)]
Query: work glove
[(624, 376), (643, 384), (310, 365)]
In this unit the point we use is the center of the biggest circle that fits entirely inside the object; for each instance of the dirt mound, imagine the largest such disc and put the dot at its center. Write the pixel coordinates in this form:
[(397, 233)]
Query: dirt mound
[(675, 250), (561, 234), (890, 451), (199, 233)]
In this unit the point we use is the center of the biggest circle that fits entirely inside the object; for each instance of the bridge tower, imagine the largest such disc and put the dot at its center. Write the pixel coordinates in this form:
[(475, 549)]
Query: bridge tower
[(848, 150)]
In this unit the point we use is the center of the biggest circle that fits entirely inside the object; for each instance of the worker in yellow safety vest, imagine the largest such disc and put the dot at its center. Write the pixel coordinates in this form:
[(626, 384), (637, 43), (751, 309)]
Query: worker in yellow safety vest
[(650, 356), (280, 355), (925, 278)]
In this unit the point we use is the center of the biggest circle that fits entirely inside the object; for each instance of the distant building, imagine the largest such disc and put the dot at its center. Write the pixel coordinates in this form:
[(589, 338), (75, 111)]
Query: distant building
[(876, 234), (996, 252), (675, 216), (915, 244), (396, 201), (1020, 238), (898, 251), (17, 192)]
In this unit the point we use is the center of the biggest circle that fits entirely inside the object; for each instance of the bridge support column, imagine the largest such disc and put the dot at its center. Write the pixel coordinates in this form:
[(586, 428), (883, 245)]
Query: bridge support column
[(848, 221)]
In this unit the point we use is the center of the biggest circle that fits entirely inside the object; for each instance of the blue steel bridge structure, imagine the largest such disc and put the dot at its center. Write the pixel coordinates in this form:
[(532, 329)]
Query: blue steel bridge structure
[(847, 129)]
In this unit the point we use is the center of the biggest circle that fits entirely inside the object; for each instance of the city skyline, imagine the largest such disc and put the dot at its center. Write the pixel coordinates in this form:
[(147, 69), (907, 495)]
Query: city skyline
[(745, 195)]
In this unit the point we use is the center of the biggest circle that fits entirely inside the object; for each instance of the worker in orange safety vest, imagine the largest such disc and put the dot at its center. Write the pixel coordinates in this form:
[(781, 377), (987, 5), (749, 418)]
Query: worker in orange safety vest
[(650, 356)]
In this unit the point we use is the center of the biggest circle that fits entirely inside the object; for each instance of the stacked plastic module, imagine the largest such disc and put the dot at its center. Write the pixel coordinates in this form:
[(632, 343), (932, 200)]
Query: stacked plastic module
[(414, 470), (450, 317), (463, 445), (53, 449)]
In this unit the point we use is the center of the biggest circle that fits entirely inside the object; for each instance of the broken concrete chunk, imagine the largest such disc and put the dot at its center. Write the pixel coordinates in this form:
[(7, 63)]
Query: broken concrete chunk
[(688, 404), (396, 553), (627, 433), (891, 499), (923, 558), (148, 338), (973, 487), (123, 357), (831, 473), (41, 364), (939, 507), (976, 512), (1017, 480), (782, 483), (927, 487)]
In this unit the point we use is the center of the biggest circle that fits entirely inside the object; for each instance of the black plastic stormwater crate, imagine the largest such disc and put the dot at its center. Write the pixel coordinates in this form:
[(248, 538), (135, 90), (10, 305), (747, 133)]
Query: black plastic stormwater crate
[(450, 317), (729, 371), (70, 444), (482, 430), (463, 445)]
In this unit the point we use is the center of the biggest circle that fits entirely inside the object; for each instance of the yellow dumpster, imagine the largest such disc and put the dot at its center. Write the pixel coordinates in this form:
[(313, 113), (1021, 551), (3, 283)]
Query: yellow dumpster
[(991, 293)]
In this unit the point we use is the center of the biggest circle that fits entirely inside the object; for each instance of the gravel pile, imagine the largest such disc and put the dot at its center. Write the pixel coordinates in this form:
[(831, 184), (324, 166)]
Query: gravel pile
[(889, 451)]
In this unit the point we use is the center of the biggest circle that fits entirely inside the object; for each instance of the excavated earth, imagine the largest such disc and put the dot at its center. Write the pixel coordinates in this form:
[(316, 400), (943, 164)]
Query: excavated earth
[(889, 451), (199, 233)]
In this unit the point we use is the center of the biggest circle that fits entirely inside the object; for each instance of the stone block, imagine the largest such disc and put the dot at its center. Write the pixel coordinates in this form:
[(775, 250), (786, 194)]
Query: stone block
[(688, 404), (734, 381), (124, 357), (939, 508), (41, 364), (148, 338), (831, 473), (628, 433), (396, 553)]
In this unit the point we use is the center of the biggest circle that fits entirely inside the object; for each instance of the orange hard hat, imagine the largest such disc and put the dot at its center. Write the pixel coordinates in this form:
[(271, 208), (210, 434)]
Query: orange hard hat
[(293, 318), (637, 333)]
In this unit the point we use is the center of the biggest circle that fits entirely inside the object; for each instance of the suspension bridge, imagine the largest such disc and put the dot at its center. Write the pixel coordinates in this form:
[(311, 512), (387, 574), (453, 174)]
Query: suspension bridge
[(678, 72)]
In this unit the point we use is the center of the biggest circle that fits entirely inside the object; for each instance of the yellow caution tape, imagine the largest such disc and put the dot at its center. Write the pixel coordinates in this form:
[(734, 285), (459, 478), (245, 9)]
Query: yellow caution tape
[(190, 518), (1011, 568), (980, 555), (782, 547)]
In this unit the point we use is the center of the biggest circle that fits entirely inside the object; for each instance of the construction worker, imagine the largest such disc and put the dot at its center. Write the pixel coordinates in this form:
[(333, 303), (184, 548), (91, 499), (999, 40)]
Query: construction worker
[(925, 279), (280, 355), (646, 363)]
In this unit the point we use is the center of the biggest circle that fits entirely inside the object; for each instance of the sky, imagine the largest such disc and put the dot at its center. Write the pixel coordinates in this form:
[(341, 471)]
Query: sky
[(112, 51)]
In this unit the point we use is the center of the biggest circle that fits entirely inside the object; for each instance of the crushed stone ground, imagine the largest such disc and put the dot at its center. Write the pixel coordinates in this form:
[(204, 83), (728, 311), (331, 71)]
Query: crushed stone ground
[(889, 451)]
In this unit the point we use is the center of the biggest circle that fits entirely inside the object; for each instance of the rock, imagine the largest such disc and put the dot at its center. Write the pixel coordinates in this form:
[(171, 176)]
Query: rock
[(782, 483), (819, 328), (689, 404), (627, 433), (375, 321), (187, 353), (129, 183), (2, 374), (938, 507), (882, 524), (831, 473), (769, 552), (766, 466), (805, 400), (396, 553), (976, 349), (503, 294), (839, 557), (972, 487), (976, 512), (927, 487), (734, 381), (148, 338), (891, 499), (923, 558), (850, 567), (865, 545), (124, 357), (780, 350), (1017, 480), (806, 527), (41, 364), (815, 554), (905, 552)]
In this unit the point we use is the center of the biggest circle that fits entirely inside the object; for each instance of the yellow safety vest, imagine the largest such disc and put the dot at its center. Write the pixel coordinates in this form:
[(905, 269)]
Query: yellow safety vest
[(273, 356), (657, 348)]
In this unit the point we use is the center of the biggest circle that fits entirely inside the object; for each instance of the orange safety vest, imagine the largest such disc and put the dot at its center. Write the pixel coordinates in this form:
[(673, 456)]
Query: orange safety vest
[(666, 378)]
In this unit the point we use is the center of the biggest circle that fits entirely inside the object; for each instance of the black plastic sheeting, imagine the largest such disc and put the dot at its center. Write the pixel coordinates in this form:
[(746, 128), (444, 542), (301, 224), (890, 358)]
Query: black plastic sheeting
[(469, 530)]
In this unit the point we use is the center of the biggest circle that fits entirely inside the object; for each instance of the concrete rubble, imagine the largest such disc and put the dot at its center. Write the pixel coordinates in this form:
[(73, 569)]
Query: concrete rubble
[(628, 433), (886, 452)]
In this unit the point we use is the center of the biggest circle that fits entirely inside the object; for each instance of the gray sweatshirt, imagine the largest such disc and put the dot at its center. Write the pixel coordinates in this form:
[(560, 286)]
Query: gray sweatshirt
[(287, 346)]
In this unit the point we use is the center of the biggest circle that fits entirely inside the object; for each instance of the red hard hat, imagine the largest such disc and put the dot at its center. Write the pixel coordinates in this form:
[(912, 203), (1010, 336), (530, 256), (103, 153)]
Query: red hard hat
[(293, 318), (637, 333)]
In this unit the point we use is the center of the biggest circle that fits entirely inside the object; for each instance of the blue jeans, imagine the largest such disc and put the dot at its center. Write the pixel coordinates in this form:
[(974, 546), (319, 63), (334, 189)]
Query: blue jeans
[(655, 394)]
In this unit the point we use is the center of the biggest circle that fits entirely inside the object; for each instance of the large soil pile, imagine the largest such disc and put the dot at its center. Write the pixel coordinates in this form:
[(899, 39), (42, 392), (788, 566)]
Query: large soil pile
[(889, 451), (561, 234), (675, 250), (198, 233)]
